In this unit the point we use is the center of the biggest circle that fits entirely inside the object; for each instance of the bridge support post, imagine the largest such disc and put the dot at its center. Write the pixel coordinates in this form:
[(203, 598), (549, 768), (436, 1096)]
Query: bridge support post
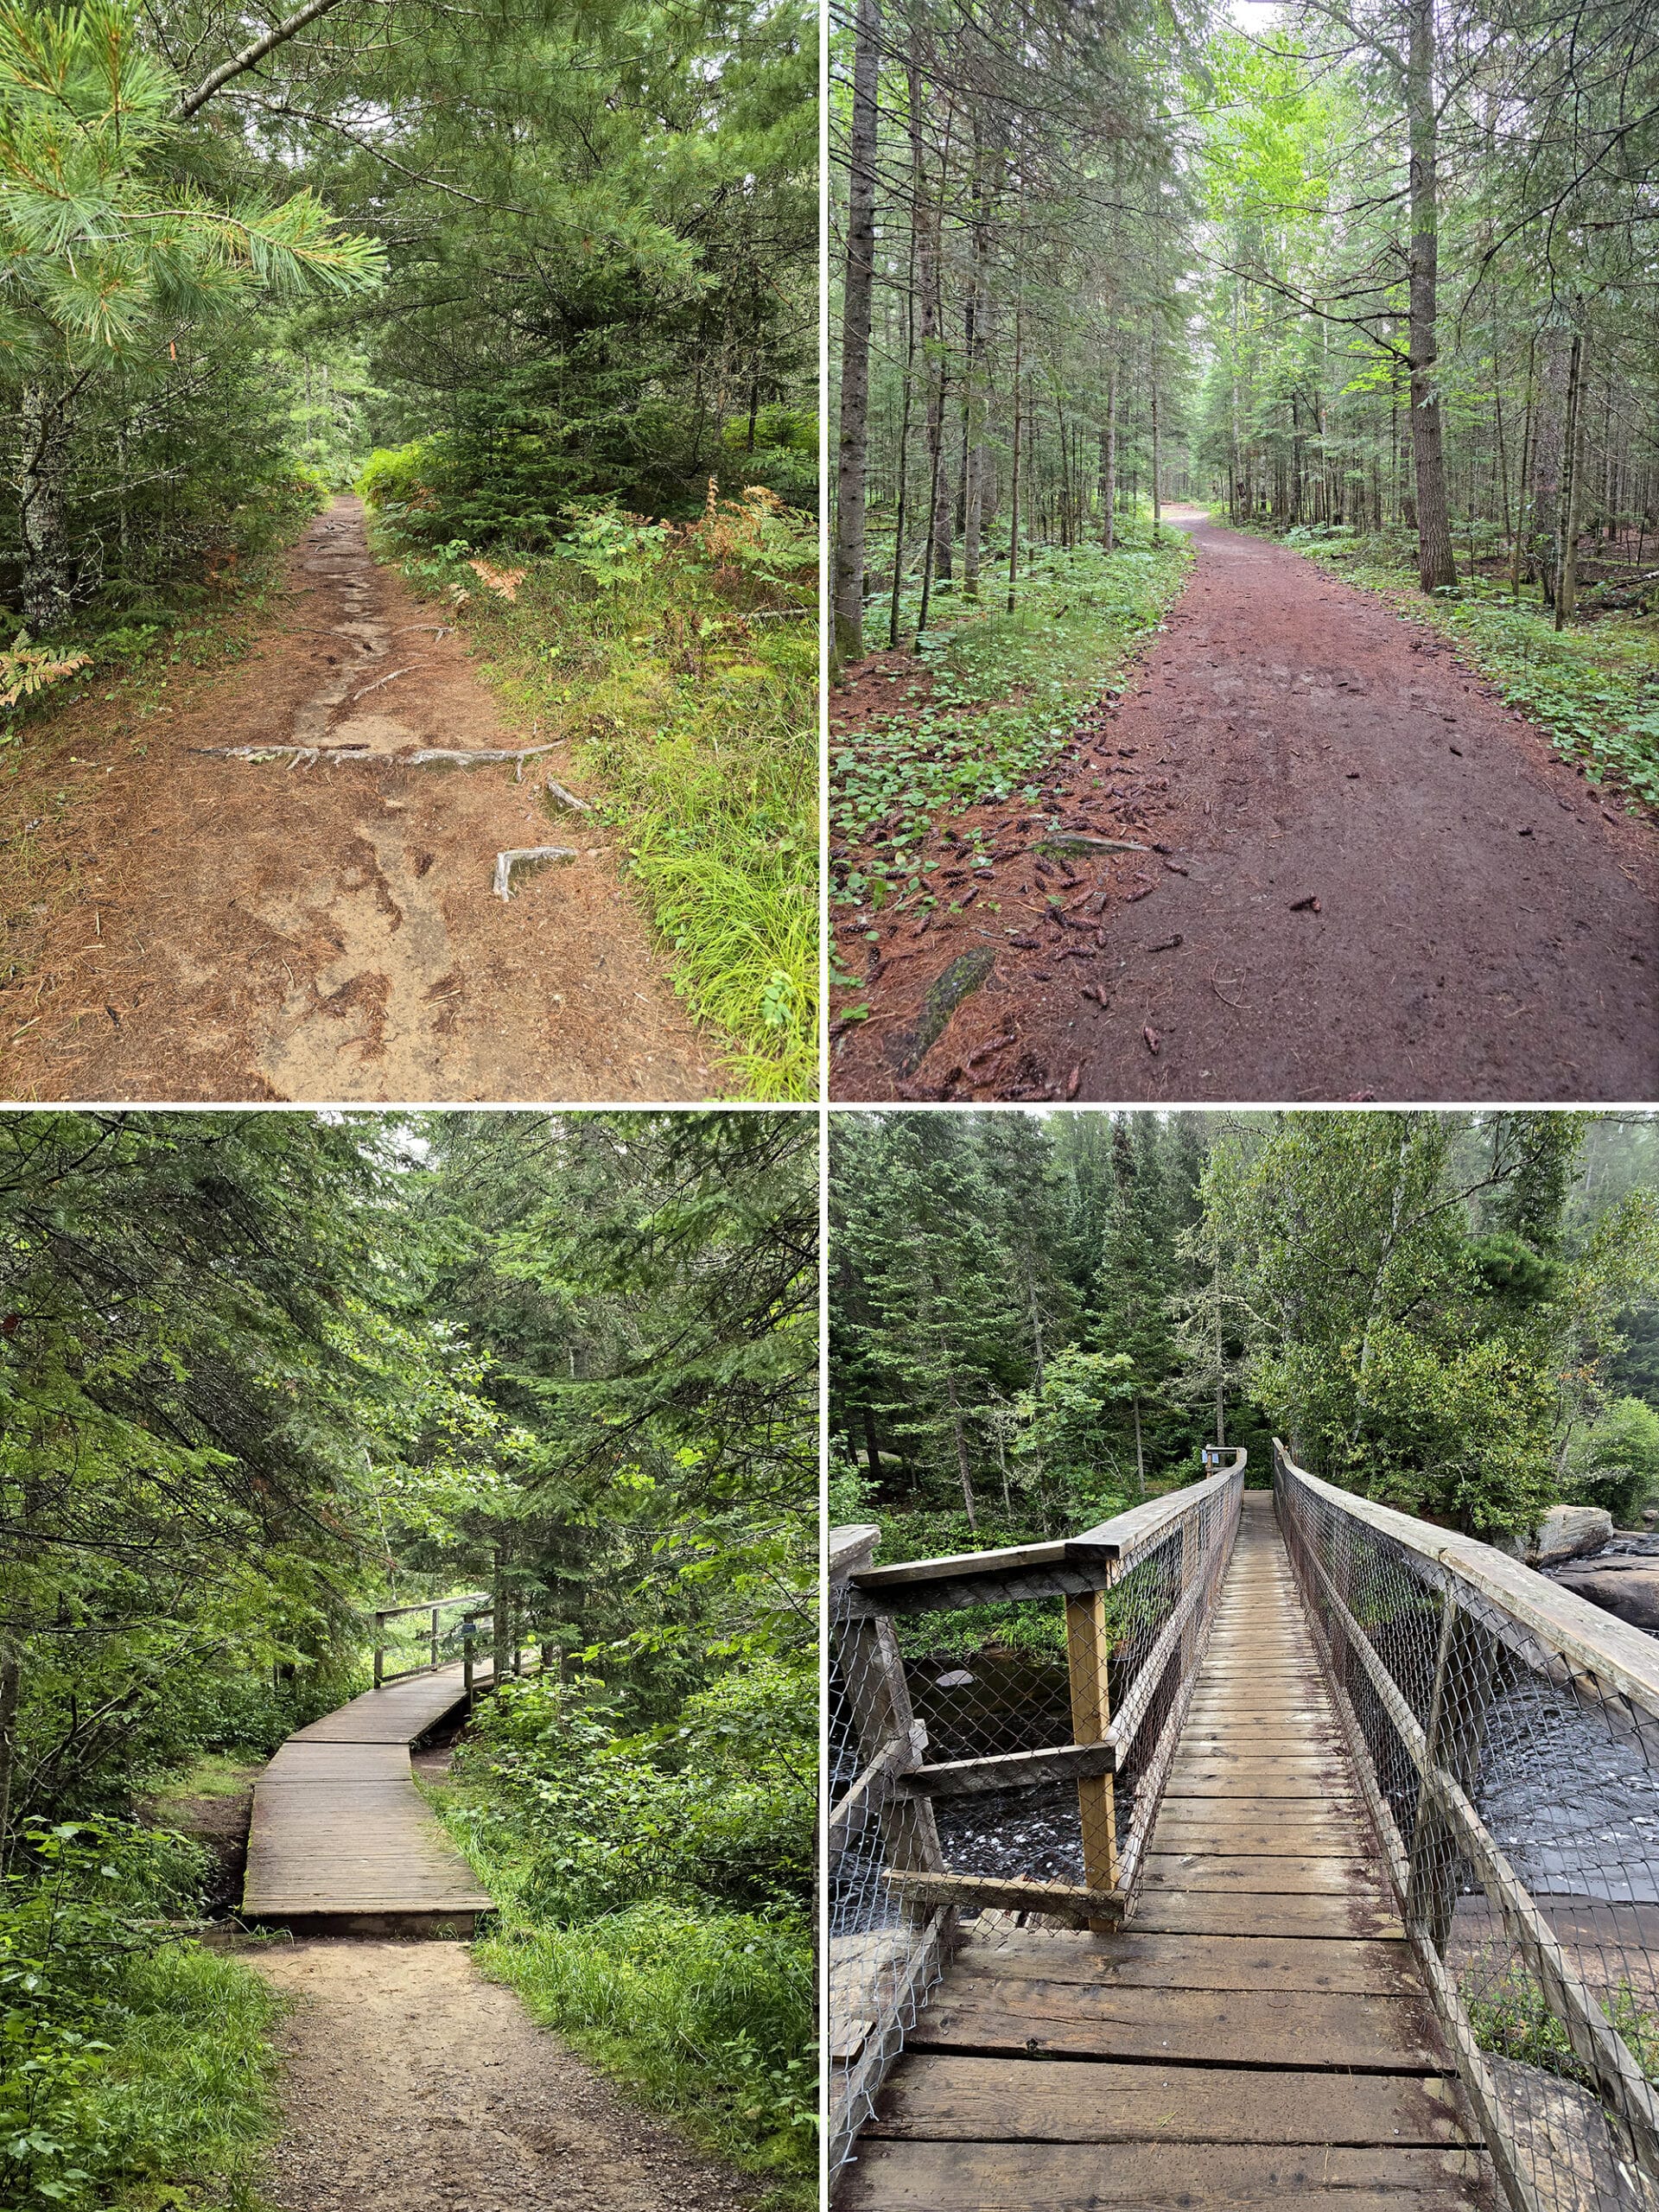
[(1088, 1653), (379, 1648)]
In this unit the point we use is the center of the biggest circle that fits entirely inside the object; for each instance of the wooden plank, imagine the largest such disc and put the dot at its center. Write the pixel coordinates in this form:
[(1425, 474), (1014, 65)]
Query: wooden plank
[(1270, 1874), (1010, 1771), (848, 1548), (1016, 1892), (1083, 2101), (1134, 1958), (1250, 1758), (1020, 2016), (1221, 1912), (1260, 1835), (1216, 1781), (1088, 1655), (1162, 2177)]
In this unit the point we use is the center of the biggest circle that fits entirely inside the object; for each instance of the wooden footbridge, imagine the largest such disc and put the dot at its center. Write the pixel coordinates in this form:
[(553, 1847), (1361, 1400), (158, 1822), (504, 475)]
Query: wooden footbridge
[(342, 1842), (1247, 1935)]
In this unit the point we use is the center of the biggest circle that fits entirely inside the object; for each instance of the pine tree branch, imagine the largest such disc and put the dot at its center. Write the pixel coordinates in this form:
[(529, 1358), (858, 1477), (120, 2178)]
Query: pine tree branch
[(240, 64)]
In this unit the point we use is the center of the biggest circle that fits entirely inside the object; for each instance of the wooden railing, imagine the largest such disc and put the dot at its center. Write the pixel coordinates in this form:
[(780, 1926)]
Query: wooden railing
[(1505, 1732), (475, 1616), (1139, 1593)]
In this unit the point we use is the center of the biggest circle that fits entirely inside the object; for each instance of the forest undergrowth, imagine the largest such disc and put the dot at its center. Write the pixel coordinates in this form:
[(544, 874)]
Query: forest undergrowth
[(1595, 685), (654, 1885), (137, 2067), (988, 699), (682, 662)]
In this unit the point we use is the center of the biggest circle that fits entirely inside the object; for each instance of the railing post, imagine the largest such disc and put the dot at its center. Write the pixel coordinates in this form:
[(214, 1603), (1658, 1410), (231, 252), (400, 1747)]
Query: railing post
[(468, 1633), (872, 1673), (435, 1638), (1452, 1742), (379, 1648), (1088, 1656)]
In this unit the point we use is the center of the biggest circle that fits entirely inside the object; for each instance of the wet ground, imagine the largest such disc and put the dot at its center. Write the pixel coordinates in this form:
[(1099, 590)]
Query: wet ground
[(1361, 876)]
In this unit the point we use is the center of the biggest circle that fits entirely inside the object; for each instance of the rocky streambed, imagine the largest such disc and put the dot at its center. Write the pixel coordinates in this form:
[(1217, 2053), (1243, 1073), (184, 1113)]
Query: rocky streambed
[(1621, 1576)]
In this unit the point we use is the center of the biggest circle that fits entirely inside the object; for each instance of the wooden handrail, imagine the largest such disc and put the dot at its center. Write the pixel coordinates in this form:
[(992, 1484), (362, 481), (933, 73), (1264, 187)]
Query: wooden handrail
[(1128, 1537), (1060, 1567), (1606, 1646), (425, 1605), (1576, 1633)]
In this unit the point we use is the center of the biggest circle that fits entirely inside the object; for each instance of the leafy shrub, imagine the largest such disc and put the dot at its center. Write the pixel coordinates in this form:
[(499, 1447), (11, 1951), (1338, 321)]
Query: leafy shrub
[(613, 549), (758, 535), (122, 2059), (1616, 1463), (655, 1891), (718, 1806)]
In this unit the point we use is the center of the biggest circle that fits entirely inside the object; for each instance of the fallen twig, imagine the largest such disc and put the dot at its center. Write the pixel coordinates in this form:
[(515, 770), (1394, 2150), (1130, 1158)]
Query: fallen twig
[(506, 862)]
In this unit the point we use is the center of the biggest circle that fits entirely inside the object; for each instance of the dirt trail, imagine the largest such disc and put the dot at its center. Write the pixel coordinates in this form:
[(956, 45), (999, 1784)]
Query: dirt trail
[(411, 2084), (264, 929), (1486, 928)]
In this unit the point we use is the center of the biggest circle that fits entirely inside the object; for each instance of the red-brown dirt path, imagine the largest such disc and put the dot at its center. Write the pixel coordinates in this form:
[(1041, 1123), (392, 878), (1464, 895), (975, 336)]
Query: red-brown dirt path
[(1487, 928), (264, 929)]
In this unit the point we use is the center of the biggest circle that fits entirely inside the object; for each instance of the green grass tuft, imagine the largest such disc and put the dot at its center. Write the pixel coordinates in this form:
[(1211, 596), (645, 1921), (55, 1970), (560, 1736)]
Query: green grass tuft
[(1006, 694), (701, 726), (699, 2012), (184, 2108)]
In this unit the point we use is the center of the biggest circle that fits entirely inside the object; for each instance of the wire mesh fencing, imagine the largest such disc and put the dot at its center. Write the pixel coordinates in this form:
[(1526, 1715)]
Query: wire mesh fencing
[(992, 1773), (1506, 1736)]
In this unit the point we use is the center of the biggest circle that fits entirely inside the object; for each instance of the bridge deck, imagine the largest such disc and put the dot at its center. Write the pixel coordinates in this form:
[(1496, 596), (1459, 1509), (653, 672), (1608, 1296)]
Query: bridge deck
[(1257, 2033), (341, 1838)]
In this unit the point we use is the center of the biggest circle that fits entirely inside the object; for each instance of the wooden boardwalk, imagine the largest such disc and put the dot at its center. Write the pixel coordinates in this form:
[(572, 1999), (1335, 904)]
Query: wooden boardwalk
[(342, 1841), (1258, 2033)]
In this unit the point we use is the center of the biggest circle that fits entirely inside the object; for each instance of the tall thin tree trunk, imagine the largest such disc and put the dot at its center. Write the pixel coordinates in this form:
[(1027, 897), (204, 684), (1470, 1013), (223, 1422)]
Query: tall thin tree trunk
[(1013, 485), (1436, 566), (973, 416), (1139, 1455), (1157, 461), (48, 564), (1566, 536), (904, 454), (1109, 462), (964, 1468), (846, 579), (10, 1680)]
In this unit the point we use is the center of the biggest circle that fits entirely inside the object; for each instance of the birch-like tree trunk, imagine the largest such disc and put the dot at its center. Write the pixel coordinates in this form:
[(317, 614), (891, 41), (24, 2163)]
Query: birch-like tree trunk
[(847, 575)]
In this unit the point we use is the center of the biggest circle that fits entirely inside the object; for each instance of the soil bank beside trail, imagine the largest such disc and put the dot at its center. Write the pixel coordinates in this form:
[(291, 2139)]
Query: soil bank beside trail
[(411, 2084), (1486, 928), (261, 930)]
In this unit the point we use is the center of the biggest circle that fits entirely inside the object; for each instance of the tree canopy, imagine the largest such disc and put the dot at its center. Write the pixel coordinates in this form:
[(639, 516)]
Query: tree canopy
[(1447, 1311), (560, 253)]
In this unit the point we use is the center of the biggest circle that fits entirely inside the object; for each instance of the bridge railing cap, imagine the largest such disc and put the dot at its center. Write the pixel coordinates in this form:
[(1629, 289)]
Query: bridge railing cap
[(851, 1548), (1607, 1647), (1143, 1525)]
